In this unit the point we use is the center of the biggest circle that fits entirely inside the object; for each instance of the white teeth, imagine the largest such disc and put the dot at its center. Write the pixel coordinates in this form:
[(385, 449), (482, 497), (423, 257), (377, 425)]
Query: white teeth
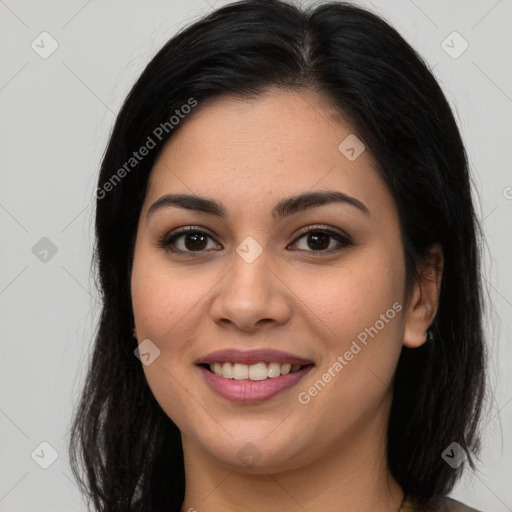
[(274, 370), (285, 369), (227, 370), (240, 371), (259, 371)]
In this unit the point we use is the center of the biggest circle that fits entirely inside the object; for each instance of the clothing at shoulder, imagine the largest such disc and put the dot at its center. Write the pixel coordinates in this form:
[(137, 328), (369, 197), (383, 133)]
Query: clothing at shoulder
[(435, 504)]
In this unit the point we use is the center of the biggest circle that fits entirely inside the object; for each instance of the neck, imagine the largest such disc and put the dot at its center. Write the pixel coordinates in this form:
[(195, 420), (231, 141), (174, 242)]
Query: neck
[(353, 476)]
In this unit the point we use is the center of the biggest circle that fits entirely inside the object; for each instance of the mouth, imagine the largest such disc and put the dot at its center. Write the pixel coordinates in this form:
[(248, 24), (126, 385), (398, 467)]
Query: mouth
[(255, 372), (251, 384), (250, 376)]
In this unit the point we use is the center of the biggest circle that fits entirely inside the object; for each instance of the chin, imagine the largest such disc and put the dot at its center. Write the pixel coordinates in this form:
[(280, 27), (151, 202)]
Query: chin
[(259, 455)]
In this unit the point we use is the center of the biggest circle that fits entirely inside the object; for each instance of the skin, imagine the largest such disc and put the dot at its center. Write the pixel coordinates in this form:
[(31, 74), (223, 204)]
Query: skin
[(328, 454)]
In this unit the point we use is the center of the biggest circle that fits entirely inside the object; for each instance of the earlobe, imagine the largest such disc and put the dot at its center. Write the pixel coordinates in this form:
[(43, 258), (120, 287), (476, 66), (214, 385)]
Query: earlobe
[(425, 300)]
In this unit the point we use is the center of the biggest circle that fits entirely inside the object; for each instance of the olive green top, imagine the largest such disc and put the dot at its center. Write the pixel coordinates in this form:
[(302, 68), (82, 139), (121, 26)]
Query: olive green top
[(435, 504)]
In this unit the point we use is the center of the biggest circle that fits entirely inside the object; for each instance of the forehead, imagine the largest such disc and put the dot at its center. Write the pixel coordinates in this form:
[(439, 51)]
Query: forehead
[(277, 144)]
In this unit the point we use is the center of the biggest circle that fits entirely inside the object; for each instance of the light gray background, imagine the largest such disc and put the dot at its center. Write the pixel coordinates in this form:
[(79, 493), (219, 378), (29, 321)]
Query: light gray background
[(56, 115)]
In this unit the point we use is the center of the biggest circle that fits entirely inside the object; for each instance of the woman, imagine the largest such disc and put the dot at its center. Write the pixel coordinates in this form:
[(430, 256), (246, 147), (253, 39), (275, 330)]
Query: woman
[(285, 226)]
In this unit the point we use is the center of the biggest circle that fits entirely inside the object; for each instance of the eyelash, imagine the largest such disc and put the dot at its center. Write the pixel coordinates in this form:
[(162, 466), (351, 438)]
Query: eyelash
[(170, 238)]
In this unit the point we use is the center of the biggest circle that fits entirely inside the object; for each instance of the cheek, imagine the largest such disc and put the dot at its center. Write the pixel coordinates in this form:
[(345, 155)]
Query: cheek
[(350, 299), (164, 297), (165, 304), (160, 311), (362, 308)]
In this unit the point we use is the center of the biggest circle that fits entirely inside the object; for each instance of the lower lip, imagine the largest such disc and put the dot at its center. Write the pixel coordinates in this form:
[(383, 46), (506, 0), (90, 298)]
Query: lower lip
[(252, 391)]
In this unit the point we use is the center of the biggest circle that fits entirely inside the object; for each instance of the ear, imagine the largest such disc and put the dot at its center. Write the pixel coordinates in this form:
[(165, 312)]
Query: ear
[(424, 299)]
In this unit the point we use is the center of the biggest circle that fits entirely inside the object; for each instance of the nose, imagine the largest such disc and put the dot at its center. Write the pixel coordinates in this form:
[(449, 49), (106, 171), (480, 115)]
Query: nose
[(251, 296)]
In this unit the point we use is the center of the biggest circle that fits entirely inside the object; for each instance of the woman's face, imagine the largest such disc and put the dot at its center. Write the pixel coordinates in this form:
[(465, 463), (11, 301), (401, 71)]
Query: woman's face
[(253, 279)]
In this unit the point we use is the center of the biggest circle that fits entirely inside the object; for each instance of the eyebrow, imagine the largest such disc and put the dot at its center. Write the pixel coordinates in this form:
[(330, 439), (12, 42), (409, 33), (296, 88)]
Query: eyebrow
[(284, 208)]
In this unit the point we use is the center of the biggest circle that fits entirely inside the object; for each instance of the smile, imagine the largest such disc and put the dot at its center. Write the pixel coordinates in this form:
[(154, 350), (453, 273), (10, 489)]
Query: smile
[(249, 384), (259, 371)]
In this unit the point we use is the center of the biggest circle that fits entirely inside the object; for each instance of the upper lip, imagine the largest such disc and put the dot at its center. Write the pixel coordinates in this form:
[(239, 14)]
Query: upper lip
[(254, 356)]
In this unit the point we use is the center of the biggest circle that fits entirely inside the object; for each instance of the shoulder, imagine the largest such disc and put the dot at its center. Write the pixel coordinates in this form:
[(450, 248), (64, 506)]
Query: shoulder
[(435, 504)]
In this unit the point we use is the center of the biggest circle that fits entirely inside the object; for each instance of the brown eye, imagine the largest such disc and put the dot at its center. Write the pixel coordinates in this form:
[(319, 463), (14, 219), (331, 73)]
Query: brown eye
[(188, 239), (194, 241), (319, 240)]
